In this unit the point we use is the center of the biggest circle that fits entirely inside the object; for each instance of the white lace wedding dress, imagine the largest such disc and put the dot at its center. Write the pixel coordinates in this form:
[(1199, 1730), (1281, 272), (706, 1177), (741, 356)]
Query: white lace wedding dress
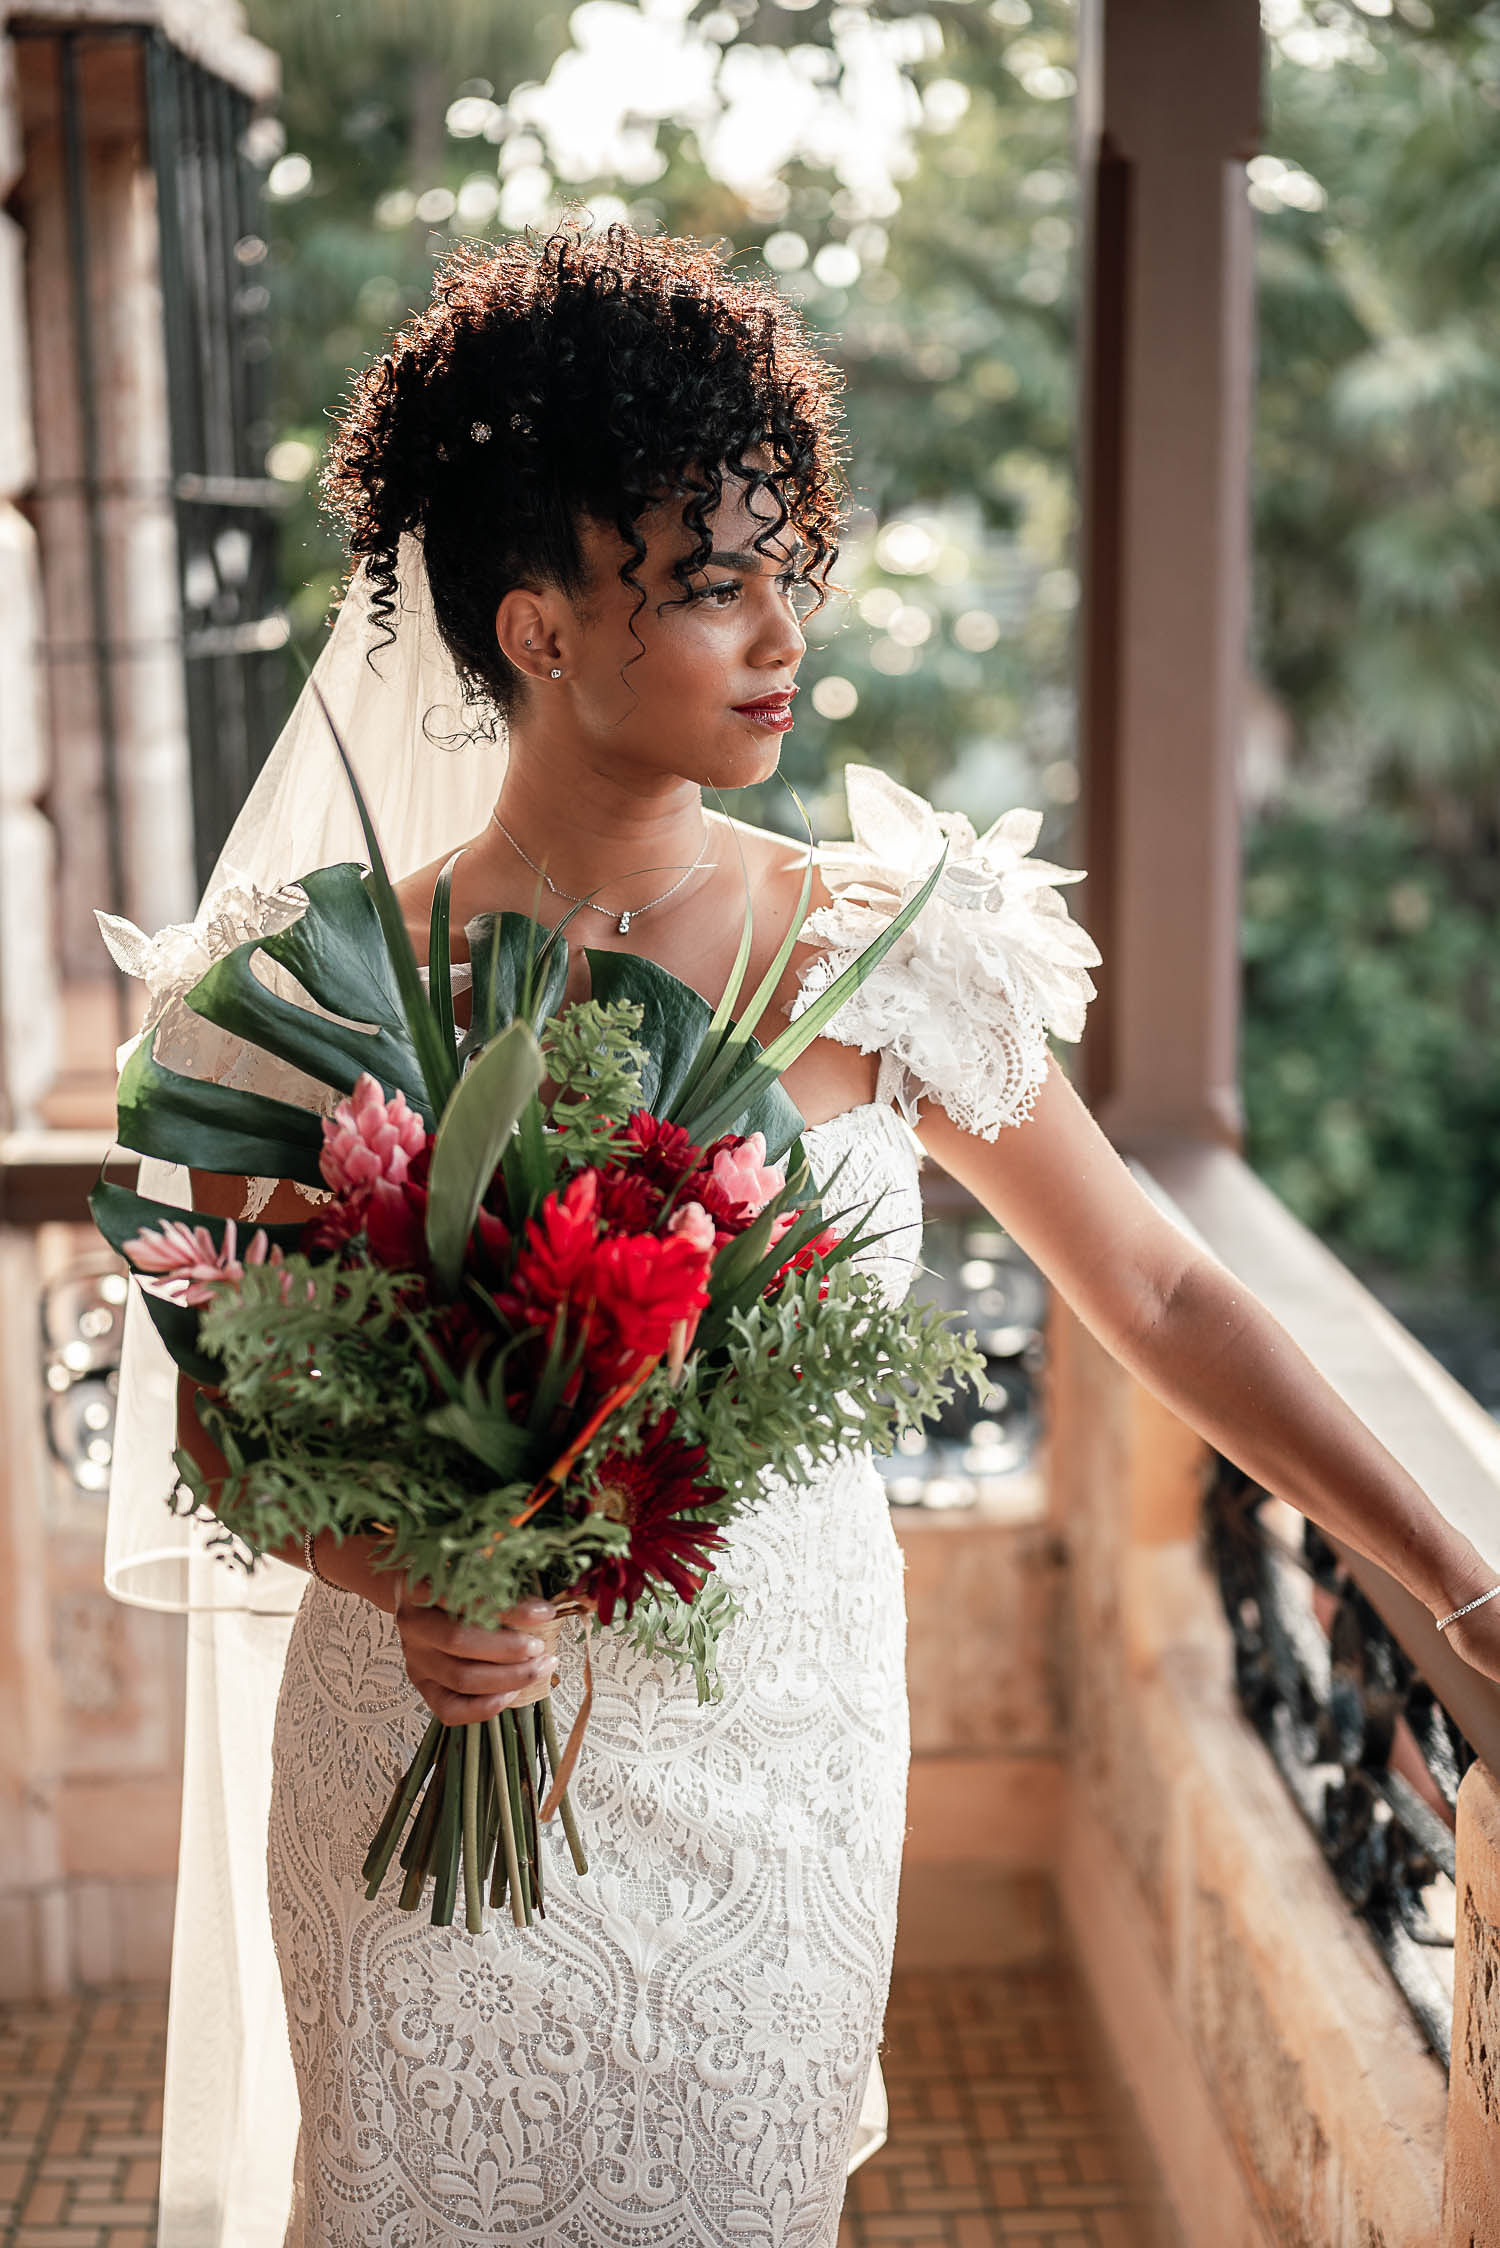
[(677, 2055)]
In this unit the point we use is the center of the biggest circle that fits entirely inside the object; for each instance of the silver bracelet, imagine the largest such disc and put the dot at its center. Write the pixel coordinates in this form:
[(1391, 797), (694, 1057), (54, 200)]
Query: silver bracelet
[(1444, 1621), (311, 1558)]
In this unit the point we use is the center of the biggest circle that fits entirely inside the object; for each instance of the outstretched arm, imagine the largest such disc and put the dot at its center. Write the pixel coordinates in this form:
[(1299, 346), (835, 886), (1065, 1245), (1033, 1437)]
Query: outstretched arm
[(1203, 1343)]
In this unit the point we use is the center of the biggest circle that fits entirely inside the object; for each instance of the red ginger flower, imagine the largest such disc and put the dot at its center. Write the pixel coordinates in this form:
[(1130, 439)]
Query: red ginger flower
[(819, 1246), (650, 1493), (369, 1139), (556, 1251), (624, 1293), (645, 1285)]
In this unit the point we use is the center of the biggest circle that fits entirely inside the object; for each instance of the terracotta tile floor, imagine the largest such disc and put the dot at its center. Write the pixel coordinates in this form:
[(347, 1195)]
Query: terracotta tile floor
[(1000, 2129), (80, 2120), (999, 2133)]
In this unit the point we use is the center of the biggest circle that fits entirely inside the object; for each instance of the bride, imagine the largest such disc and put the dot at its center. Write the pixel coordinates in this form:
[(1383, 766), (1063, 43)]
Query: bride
[(591, 490)]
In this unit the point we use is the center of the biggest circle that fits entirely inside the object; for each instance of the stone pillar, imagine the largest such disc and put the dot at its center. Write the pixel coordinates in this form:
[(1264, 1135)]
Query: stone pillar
[(1471, 2167), (30, 1007), (121, 784), (1168, 114)]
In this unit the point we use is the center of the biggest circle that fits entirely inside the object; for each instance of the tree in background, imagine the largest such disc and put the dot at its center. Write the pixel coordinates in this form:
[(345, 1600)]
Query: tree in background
[(1372, 1037)]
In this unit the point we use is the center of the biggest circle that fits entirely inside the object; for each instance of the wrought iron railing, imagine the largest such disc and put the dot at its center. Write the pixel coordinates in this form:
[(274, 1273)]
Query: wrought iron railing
[(215, 301), (1370, 1756)]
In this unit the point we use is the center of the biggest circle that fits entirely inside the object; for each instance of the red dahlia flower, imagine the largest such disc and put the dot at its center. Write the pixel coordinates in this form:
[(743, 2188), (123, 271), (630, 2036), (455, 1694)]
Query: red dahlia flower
[(629, 1201), (651, 1493), (662, 1151)]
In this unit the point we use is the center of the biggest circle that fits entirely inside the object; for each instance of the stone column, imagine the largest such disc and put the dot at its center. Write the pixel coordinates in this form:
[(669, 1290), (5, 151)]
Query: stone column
[(1168, 114), (30, 1006), (1471, 2167)]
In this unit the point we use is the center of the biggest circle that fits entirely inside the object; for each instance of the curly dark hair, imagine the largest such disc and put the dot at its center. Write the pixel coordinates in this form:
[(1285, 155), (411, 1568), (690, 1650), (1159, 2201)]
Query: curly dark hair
[(588, 375)]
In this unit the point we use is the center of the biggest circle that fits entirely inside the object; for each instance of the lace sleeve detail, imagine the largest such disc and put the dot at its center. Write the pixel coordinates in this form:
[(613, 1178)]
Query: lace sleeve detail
[(960, 1007), (171, 962)]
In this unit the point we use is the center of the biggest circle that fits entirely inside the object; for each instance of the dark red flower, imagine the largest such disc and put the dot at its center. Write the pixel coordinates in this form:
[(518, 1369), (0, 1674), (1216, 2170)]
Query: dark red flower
[(662, 1151), (651, 1493), (396, 1225), (629, 1201)]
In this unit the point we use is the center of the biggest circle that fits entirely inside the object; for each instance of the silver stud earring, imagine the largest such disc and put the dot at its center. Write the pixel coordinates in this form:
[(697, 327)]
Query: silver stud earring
[(556, 672)]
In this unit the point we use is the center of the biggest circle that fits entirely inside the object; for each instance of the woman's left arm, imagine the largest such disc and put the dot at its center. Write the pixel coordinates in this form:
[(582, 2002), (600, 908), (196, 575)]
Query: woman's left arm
[(1198, 1338)]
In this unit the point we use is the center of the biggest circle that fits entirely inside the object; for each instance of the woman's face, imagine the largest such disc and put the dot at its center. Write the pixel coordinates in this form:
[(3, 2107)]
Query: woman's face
[(677, 700)]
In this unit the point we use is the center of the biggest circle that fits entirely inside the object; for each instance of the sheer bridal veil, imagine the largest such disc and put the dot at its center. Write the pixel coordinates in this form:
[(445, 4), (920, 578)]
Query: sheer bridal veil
[(230, 2125)]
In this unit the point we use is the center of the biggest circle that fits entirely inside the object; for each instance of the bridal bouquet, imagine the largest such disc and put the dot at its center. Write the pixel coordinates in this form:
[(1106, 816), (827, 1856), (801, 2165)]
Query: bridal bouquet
[(530, 1345)]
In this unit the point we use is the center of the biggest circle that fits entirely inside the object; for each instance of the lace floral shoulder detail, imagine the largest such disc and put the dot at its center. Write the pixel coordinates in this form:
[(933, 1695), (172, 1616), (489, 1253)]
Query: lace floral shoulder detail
[(171, 962), (960, 1007)]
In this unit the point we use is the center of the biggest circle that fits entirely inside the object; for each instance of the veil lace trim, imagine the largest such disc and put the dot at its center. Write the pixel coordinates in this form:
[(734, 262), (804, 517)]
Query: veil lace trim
[(171, 962)]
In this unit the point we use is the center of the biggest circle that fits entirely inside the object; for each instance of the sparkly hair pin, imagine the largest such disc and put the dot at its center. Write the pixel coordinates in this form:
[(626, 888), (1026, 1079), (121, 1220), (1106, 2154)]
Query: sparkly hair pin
[(481, 432)]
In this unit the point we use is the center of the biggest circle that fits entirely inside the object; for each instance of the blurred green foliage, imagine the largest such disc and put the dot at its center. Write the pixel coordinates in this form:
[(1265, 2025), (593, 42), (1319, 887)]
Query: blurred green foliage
[(1371, 1058), (1377, 439)]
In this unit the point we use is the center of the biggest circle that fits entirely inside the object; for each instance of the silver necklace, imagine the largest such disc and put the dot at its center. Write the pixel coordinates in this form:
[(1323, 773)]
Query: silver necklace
[(621, 921)]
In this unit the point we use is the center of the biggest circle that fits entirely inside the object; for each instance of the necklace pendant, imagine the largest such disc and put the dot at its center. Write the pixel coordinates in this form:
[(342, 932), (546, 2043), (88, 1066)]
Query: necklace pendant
[(624, 924)]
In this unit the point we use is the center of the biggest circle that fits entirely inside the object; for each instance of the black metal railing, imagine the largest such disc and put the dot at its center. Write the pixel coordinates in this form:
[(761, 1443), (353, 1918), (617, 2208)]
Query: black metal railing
[(1370, 1756), (215, 302)]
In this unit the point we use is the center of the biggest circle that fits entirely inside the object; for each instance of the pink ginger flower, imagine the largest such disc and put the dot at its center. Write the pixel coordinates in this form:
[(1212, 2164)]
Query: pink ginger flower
[(694, 1221), (783, 1224), (369, 1138), (184, 1265), (744, 1175)]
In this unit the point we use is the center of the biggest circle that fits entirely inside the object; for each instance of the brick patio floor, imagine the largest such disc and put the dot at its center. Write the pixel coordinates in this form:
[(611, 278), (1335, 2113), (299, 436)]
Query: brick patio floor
[(1000, 2132)]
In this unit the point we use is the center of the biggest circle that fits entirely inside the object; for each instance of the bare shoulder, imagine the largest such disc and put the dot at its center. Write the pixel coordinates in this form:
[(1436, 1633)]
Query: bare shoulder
[(776, 866)]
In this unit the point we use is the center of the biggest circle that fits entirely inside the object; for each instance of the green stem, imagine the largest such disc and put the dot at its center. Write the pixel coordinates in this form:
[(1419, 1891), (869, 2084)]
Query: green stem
[(389, 1832), (564, 1806), (511, 1739), (418, 1848), (507, 1823), (489, 1835), (473, 1893), (448, 1840), (526, 1726)]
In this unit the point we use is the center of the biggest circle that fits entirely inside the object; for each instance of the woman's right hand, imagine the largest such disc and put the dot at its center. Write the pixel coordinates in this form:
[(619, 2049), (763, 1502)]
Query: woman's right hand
[(463, 1673)]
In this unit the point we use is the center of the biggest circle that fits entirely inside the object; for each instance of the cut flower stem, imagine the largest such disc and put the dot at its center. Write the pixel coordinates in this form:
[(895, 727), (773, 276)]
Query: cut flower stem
[(465, 1810)]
